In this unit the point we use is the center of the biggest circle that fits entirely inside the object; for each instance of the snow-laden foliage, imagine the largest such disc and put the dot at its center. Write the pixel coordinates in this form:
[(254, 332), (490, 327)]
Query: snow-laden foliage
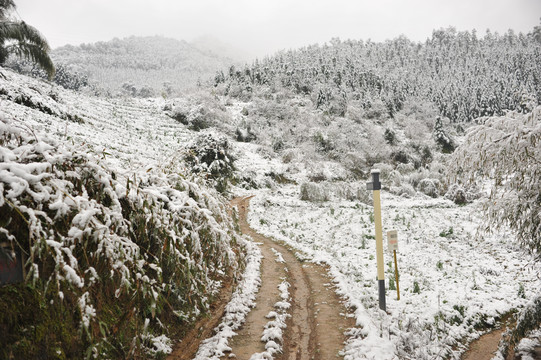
[(528, 322), (198, 111), (507, 149), (64, 75), (463, 74), (124, 261), (210, 155)]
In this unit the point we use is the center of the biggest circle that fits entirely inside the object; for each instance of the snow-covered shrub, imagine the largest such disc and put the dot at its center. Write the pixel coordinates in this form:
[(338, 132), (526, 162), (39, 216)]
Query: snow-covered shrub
[(405, 190), (245, 135), (198, 112), (195, 117), (401, 156), (349, 191), (390, 136), (528, 319), (376, 110), (385, 171), (36, 98), (444, 141), (64, 75), (210, 154), (429, 187), (313, 192), (356, 164), (462, 195), (457, 194), (394, 178), (289, 156), (108, 260), (322, 142), (405, 168)]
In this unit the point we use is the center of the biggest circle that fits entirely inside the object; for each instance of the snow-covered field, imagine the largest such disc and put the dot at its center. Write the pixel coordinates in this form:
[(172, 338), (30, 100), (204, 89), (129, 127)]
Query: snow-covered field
[(455, 282)]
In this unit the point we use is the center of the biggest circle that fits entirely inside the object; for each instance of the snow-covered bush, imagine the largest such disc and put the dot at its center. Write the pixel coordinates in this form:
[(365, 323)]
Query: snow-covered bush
[(528, 319), (394, 178), (385, 171), (443, 140), (313, 192), (245, 134), (36, 98), (64, 75), (429, 187), (198, 112), (405, 190), (506, 149), (210, 154), (462, 195), (405, 168), (109, 261)]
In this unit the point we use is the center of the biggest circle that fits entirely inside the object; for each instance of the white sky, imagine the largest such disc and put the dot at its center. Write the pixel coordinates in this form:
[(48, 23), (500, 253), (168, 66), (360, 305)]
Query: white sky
[(265, 26)]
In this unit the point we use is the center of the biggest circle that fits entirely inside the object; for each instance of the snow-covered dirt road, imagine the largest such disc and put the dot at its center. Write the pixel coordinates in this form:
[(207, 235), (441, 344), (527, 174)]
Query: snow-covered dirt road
[(317, 318)]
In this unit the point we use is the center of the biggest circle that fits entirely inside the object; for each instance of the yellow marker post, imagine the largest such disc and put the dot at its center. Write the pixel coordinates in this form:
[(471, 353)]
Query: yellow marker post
[(375, 186), (396, 276)]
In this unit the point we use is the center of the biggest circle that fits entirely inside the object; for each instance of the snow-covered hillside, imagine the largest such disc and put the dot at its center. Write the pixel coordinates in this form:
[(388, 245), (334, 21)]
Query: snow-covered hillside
[(123, 247), (115, 215)]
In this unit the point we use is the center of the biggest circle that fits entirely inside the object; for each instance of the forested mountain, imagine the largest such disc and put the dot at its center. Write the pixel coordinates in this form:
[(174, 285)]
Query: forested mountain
[(144, 66), (464, 74)]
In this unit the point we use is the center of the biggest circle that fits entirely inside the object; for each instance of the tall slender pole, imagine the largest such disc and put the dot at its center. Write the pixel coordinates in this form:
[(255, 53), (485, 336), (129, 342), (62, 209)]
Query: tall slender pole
[(376, 187), (396, 276)]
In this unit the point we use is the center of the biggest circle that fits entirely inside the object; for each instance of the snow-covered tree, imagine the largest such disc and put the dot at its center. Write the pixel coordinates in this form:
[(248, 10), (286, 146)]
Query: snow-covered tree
[(507, 149), (23, 40)]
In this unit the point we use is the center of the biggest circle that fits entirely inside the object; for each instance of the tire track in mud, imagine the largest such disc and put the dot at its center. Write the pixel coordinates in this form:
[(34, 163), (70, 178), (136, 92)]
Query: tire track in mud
[(317, 324)]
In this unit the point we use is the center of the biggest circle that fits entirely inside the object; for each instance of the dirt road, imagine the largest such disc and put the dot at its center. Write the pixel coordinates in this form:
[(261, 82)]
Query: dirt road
[(317, 322), (316, 327)]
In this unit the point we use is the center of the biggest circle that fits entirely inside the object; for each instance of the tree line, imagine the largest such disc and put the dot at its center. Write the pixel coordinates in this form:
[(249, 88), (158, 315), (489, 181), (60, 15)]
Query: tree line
[(463, 74)]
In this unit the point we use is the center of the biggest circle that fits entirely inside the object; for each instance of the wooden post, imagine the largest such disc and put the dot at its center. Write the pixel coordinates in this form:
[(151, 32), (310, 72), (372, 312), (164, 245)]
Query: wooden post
[(375, 186), (396, 276)]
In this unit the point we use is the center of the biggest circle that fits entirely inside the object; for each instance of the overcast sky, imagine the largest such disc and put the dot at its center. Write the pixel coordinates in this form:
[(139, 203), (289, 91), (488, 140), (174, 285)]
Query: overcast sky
[(265, 26)]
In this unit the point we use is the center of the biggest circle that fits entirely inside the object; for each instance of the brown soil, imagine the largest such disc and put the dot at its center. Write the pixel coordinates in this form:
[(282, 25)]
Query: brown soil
[(484, 347), (187, 348), (315, 330), (317, 324)]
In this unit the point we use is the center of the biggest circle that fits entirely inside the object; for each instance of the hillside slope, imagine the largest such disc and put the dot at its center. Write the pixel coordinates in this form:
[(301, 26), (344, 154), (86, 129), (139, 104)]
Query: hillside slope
[(123, 249), (154, 63)]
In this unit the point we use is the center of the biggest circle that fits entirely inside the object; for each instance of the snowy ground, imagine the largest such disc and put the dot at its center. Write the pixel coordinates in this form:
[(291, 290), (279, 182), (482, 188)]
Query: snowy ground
[(451, 280), (454, 282)]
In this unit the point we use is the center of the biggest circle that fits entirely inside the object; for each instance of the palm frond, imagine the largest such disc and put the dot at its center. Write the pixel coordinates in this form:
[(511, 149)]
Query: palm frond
[(20, 31), (34, 53), (25, 41), (6, 6)]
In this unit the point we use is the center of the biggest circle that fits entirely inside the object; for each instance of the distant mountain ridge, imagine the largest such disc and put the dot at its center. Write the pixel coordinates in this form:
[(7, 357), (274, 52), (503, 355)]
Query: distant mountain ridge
[(155, 63)]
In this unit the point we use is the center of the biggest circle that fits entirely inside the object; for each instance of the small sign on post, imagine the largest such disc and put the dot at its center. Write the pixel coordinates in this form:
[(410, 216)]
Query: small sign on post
[(392, 245), (392, 240)]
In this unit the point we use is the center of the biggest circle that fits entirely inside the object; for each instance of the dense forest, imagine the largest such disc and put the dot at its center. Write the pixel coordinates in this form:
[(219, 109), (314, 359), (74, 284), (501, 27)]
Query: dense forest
[(464, 74)]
